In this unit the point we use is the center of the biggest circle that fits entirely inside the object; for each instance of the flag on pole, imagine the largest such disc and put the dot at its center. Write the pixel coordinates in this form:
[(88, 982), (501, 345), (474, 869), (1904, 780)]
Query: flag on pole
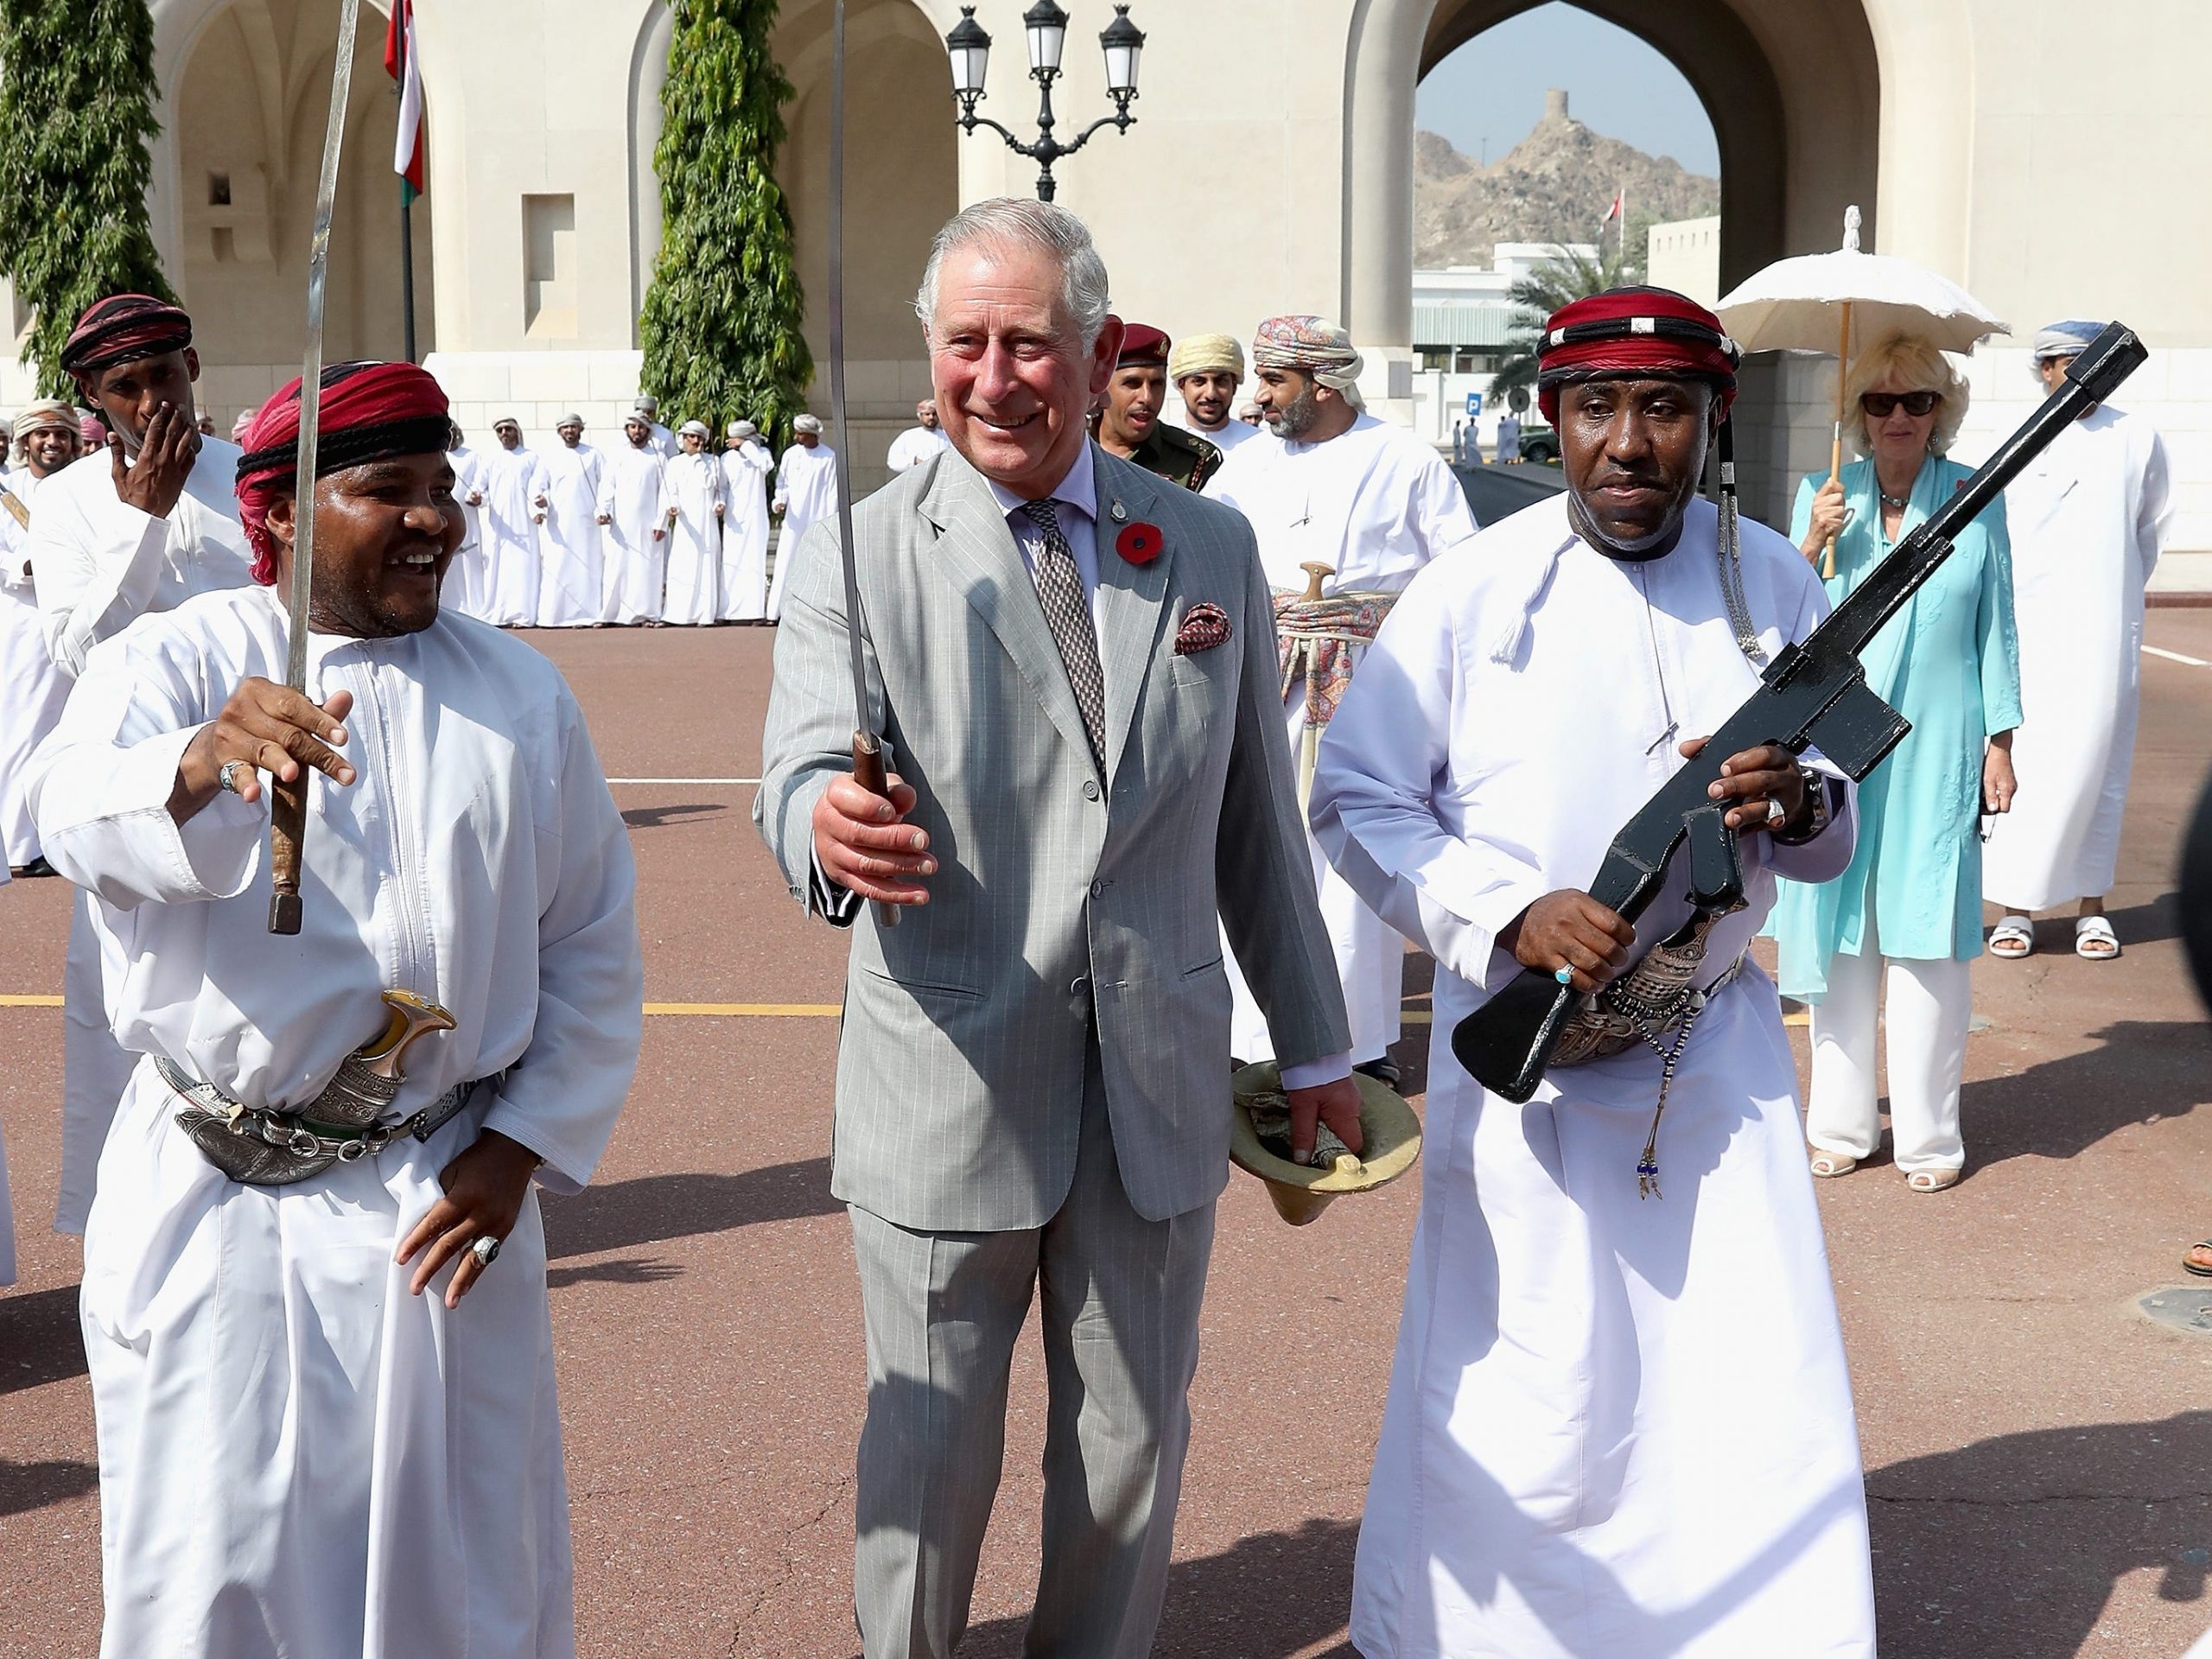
[(1614, 212), (402, 64)]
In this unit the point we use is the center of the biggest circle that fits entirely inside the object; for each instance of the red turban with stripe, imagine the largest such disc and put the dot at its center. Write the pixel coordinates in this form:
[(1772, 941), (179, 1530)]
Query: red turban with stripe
[(122, 328), (1634, 334), (370, 411)]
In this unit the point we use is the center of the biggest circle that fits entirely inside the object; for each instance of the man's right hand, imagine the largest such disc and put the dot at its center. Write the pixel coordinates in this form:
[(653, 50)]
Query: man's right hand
[(165, 458), (271, 729), (1569, 929), (864, 844)]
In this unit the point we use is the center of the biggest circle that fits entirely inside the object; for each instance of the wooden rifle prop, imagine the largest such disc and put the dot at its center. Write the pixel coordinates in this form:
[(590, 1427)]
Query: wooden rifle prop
[(1815, 695), (287, 803)]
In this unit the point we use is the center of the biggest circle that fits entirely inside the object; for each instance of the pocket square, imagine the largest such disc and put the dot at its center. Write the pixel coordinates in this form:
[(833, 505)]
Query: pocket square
[(1204, 626)]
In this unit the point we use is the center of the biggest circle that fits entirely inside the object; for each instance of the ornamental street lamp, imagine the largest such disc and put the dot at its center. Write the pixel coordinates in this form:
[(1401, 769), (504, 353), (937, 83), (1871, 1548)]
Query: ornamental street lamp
[(1045, 26)]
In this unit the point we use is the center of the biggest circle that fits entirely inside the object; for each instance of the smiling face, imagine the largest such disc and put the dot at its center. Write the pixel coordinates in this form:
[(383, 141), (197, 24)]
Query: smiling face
[(1899, 439), (48, 448), (1014, 382), (385, 532), (1207, 397), (572, 432), (1633, 451)]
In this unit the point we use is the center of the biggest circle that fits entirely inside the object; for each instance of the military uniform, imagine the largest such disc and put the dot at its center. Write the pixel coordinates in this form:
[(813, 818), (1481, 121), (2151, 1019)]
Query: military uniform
[(1181, 457)]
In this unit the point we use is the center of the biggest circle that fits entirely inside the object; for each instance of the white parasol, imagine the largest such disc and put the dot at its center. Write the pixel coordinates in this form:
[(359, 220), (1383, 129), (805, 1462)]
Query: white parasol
[(1827, 302)]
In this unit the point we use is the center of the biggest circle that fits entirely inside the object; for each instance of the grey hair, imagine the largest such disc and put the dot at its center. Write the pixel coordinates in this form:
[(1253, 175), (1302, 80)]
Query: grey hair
[(1005, 222)]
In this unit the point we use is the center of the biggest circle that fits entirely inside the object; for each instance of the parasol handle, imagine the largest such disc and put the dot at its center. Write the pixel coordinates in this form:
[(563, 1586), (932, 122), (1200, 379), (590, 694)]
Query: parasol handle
[(1835, 444), (869, 774)]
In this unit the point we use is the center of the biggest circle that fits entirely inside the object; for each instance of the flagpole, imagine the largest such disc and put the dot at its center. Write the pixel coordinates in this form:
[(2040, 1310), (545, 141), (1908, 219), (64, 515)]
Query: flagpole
[(406, 210)]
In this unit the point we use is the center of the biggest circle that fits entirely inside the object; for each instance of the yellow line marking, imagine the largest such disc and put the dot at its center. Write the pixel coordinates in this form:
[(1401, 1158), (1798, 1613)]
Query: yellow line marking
[(30, 1001), (753, 1010)]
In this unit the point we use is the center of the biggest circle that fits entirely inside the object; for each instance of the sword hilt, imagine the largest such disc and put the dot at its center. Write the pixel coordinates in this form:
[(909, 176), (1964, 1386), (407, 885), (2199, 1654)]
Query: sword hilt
[(288, 830), (869, 773)]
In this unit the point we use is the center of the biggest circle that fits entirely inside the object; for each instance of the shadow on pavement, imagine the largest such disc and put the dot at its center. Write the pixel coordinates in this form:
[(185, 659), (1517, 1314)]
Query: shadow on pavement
[(2012, 1545), (41, 1341), (1268, 1596), (624, 1270), (654, 1208), (2142, 1071), (652, 818), (34, 1486)]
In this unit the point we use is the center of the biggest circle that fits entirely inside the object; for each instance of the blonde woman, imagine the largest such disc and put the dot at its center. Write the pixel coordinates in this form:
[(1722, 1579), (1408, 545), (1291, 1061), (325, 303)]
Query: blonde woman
[(1908, 908)]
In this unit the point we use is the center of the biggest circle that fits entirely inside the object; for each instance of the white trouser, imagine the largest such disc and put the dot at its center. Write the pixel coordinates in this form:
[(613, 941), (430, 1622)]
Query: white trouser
[(1928, 1005)]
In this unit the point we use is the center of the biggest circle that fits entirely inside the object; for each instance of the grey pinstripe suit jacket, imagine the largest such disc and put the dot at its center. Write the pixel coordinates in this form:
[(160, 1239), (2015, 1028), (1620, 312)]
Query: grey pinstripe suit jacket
[(960, 1076)]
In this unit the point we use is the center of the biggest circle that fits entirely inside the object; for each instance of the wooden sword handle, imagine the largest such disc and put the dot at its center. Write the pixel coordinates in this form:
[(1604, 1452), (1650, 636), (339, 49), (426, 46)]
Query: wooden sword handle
[(868, 774), (287, 832)]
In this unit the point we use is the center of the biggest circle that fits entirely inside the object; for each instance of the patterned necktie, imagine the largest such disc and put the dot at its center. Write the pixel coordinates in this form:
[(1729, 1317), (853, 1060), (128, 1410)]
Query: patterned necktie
[(1067, 613)]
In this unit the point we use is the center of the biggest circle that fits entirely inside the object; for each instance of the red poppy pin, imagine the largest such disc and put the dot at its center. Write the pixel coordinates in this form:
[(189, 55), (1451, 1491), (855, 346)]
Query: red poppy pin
[(1138, 543)]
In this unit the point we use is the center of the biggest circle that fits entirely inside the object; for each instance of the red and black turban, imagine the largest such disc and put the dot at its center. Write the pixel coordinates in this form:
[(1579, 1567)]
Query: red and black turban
[(1634, 333), (123, 328), (370, 411)]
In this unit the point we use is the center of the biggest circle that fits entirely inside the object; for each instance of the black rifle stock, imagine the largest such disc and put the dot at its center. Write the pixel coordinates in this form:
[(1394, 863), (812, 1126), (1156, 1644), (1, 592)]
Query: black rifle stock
[(1814, 694)]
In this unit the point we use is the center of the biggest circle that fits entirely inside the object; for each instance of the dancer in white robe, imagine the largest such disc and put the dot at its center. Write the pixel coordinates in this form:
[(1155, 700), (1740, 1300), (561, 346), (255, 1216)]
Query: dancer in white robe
[(572, 588), (2087, 520), (664, 440), (746, 465), (806, 493), (328, 1423), (32, 685), (515, 483), (1619, 1426), (468, 579), (1374, 503), (139, 525), (695, 534), (919, 441), (634, 512)]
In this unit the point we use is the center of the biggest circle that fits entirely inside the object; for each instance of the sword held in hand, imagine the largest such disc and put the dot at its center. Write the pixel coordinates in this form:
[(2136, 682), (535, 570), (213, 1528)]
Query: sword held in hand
[(1814, 694), (288, 804)]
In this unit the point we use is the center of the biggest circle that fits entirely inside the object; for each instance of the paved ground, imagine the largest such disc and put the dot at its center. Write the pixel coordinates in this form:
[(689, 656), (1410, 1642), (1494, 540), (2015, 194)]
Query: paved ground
[(2039, 1454)]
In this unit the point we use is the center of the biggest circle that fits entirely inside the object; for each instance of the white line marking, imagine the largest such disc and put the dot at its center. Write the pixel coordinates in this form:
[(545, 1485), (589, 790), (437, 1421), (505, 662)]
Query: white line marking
[(731, 782), (2176, 657)]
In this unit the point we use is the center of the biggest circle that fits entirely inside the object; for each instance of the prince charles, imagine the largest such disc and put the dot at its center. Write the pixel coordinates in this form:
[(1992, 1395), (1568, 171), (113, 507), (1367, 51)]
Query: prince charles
[(1073, 664)]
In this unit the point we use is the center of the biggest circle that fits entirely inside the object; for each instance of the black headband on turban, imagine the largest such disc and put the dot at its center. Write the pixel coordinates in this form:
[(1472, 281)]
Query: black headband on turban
[(123, 328)]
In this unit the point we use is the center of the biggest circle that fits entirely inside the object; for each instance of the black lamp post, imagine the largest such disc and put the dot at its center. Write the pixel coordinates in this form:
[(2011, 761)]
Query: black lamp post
[(1045, 26)]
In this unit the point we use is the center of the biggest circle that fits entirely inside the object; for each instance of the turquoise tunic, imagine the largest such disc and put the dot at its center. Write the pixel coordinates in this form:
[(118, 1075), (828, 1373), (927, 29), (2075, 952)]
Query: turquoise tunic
[(1950, 662)]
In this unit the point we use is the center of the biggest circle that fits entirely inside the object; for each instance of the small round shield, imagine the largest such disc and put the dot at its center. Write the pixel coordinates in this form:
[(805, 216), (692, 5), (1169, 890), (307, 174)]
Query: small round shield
[(1389, 1125)]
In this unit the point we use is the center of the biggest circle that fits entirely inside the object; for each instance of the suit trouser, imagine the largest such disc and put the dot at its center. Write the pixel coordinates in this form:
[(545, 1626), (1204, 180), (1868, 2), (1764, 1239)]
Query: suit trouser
[(1120, 1300), (1929, 1005)]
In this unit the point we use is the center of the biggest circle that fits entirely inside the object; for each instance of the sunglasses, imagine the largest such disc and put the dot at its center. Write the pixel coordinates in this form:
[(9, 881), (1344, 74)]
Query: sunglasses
[(1881, 404)]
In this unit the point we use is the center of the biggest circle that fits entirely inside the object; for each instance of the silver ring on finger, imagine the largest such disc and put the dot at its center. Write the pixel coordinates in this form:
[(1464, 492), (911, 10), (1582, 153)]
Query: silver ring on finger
[(486, 1251), (228, 778), (1776, 814), (1564, 973)]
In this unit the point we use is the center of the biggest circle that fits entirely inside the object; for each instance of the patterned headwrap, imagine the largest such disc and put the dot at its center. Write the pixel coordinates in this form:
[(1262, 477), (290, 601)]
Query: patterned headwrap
[(1634, 334), (122, 328), (47, 413), (1206, 354), (2068, 339), (370, 411), (89, 430), (1314, 345)]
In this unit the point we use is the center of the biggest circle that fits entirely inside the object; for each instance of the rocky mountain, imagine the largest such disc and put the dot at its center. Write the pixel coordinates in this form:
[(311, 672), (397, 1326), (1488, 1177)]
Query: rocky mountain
[(1555, 186)]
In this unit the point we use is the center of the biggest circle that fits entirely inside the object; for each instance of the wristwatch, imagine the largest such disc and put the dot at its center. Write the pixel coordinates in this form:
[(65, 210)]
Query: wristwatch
[(1817, 790)]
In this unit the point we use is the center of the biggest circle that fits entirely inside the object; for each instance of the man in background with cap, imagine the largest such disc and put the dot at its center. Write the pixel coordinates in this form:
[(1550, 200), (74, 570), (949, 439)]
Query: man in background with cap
[(1128, 423), (664, 440), (32, 684), (1618, 1421), (745, 466), (2088, 517), (141, 525), (1374, 503), (919, 441), (1206, 370), (515, 482), (806, 493), (572, 590)]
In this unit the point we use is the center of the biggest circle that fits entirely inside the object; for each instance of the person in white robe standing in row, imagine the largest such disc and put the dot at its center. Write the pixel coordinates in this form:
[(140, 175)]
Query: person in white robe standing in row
[(745, 466), (919, 441), (139, 525), (806, 493), (635, 512), (32, 684), (2087, 520), (572, 590), (1374, 503), (1618, 1422), (325, 1391), (515, 483), (468, 586), (695, 534)]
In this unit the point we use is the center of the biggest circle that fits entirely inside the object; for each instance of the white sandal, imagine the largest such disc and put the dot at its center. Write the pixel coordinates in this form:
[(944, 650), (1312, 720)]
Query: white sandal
[(2012, 937), (2095, 931)]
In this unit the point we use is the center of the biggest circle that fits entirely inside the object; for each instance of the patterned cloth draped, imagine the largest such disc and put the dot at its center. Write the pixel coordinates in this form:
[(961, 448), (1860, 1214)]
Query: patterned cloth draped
[(1310, 637)]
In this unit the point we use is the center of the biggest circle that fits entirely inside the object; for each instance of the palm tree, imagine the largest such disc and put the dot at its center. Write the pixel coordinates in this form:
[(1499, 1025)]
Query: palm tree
[(1569, 274)]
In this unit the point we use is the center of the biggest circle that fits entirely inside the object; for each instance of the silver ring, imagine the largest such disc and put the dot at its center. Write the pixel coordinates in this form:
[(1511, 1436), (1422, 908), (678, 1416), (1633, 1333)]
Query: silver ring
[(1777, 815), (486, 1251), (1564, 974), (228, 777)]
